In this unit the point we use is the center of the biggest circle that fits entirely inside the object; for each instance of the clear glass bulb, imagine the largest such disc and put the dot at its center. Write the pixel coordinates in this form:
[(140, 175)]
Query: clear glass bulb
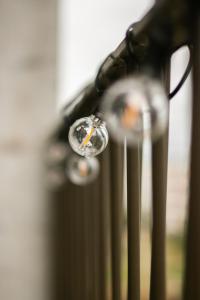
[(136, 107), (88, 136), (56, 153), (55, 177), (82, 170), (55, 161)]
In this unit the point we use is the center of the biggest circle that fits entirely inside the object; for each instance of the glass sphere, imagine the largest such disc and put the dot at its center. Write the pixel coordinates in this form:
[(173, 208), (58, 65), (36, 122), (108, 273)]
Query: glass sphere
[(88, 136), (55, 177), (82, 170), (136, 107), (55, 161), (56, 153)]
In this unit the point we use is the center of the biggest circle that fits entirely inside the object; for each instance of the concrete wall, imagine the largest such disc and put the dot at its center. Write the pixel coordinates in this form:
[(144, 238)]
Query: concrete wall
[(27, 93)]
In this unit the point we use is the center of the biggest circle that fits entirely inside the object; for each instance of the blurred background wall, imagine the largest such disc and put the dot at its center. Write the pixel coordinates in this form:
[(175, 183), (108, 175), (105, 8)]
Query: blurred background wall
[(27, 108)]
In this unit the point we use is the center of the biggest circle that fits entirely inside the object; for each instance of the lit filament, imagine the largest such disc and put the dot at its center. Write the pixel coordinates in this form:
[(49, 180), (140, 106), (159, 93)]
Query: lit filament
[(130, 116), (83, 168), (87, 138)]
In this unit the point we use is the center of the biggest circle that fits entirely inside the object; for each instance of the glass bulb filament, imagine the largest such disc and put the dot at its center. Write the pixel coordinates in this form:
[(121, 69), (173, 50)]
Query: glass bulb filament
[(88, 136), (87, 139), (130, 116)]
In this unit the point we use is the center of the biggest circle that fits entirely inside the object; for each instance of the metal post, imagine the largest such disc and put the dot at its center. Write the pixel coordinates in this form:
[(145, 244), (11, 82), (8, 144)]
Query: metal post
[(72, 198), (78, 246), (90, 269), (133, 211), (192, 270), (86, 250), (58, 244), (159, 194), (104, 191), (96, 237), (116, 179)]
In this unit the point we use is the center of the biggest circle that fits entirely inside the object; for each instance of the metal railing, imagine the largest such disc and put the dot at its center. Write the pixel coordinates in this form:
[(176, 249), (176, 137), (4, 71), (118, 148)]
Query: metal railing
[(89, 219)]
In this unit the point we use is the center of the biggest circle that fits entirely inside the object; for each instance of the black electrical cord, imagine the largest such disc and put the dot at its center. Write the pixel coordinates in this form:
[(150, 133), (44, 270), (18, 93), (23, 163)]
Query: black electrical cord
[(133, 43), (184, 77)]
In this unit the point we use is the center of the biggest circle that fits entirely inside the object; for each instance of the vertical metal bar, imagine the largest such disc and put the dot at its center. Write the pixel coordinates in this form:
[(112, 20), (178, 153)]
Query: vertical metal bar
[(78, 246), (104, 190), (158, 268), (96, 238), (133, 211), (73, 241), (159, 191), (57, 198), (85, 261), (85, 242), (76, 243), (159, 195), (86, 271), (63, 242), (69, 237), (65, 239), (82, 252), (78, 231), (192, 271), (72, 258), (116, 179), (89, 244)]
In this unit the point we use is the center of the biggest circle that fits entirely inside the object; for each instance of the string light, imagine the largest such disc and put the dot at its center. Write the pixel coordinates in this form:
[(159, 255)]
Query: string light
[(55, 160), (136, 108), (88, 136), (82, 170)]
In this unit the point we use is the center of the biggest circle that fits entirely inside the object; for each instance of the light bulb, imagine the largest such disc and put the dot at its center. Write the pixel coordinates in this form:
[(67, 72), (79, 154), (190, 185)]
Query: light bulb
[(136, 107), (88, 136), (82, 170), (55, 161), (56, 153), (55, 178)]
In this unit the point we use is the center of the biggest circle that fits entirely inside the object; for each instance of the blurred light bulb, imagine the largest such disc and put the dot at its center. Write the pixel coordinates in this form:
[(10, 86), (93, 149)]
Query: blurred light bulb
[(55, 161), (55, 178), (136, 108), (56, 153), (82, 170), (88, 136)]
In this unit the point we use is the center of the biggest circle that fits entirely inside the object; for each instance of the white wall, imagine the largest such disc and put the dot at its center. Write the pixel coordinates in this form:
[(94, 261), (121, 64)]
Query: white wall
[(89, 31)]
